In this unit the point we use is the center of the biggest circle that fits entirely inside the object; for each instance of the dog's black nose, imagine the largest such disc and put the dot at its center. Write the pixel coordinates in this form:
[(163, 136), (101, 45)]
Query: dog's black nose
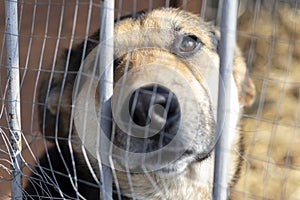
[(142, 101)]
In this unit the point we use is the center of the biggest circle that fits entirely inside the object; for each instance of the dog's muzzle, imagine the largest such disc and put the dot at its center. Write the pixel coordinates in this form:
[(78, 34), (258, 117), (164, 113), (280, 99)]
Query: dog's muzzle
[(161, 112)]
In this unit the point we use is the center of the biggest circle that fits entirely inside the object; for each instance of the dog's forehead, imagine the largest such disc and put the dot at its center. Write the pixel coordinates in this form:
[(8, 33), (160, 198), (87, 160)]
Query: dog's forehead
[(161, 26), (179, 21), (173, 18)]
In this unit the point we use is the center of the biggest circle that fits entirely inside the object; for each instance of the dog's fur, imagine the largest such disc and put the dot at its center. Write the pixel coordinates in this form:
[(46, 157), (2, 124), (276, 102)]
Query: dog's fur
[(53, 177)]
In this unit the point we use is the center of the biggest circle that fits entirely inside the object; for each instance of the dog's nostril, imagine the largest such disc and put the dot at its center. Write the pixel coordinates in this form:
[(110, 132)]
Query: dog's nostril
[(143, 107)]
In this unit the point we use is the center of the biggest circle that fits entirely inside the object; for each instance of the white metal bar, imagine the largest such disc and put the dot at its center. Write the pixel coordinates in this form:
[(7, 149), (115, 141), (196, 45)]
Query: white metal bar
[(14, 114), (219, 13), (203, 9), (106, 70), (225, 108)]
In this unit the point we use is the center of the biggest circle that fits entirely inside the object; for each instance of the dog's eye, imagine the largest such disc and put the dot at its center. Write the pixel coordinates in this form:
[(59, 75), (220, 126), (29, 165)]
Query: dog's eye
[(189, 44)]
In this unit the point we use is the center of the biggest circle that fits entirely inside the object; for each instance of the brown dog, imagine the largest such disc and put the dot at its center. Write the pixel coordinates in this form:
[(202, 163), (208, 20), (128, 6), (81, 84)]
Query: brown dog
[(168, 58)]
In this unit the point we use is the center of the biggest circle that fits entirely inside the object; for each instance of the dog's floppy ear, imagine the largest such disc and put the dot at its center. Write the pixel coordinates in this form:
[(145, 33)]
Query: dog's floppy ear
[(49, 103), (244, 83)]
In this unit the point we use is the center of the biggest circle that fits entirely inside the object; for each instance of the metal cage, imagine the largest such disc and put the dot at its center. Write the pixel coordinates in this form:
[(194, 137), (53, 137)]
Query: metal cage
[(34, 34)]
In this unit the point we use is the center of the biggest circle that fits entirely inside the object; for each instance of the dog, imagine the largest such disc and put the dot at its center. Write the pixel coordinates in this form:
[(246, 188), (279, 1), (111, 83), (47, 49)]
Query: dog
[(171, 58)]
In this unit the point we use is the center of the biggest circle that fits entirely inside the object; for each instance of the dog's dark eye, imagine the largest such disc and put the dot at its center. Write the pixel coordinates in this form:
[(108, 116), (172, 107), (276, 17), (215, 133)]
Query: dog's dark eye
[(189, 44)]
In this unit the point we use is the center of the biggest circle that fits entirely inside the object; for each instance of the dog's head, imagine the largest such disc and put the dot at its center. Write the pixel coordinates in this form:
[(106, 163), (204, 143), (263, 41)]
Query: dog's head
[(165, 93), (163, 57)]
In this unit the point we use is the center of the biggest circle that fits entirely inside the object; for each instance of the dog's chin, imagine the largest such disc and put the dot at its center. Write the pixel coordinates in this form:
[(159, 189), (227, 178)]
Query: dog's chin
[(173, 169), (176, 167), (181, 165)]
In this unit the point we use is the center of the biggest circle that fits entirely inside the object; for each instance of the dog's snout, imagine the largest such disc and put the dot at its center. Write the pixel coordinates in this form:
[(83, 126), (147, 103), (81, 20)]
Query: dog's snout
[(143, 102)]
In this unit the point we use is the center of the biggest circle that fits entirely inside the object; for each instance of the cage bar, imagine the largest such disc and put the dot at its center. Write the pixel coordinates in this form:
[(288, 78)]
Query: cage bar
[(225, 105), (13, 98), (106, 91), (219, 13)]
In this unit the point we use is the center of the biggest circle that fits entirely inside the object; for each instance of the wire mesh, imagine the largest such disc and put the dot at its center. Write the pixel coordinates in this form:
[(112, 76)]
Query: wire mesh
[(55, 159)]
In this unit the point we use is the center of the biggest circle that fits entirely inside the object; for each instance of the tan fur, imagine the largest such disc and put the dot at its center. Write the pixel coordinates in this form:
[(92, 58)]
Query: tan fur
[(185, 186)]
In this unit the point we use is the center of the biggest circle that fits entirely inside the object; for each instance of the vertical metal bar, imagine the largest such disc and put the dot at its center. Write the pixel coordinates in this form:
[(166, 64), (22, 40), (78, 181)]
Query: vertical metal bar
[(219, 13), (106, 69), (203, 8), (14, 119), (225, 107)]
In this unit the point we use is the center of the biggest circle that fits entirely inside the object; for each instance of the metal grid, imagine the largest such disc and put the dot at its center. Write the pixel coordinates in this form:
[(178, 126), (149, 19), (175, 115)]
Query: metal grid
[(267, 34)]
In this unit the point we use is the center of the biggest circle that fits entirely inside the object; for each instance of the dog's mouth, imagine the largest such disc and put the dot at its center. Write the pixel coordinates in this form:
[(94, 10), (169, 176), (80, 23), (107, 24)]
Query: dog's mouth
[(179, 166)]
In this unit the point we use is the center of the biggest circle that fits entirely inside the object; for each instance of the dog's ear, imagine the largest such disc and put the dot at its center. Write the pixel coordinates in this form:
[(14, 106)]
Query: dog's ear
[(51, 103), (244, 83)]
